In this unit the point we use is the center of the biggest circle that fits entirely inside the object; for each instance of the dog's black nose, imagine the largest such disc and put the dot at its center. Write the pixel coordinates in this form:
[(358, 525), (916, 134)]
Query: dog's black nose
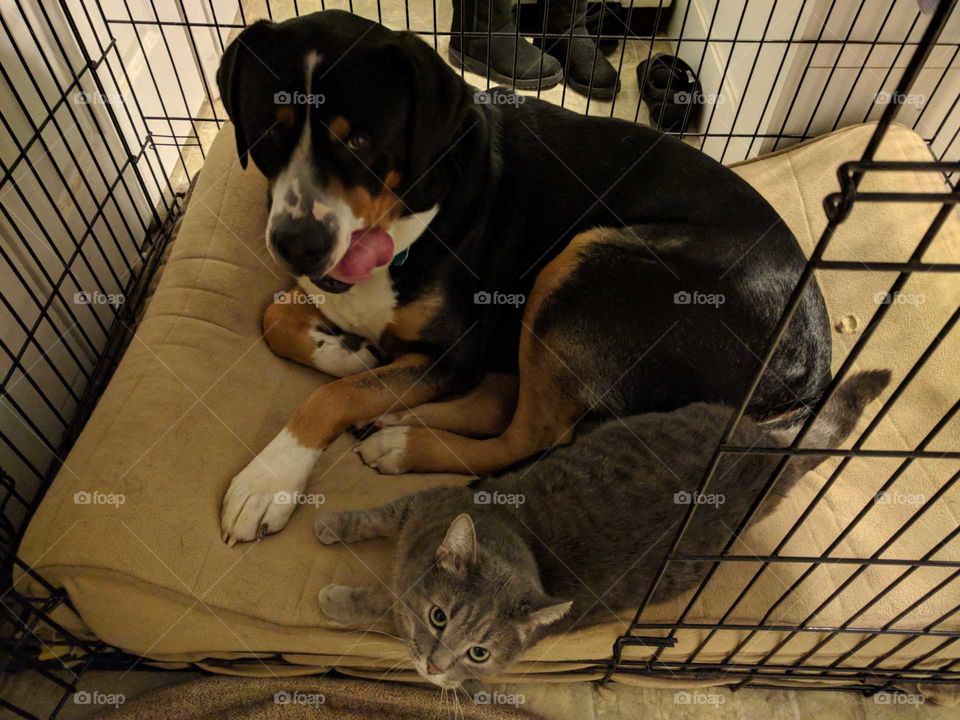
[(304, 244)]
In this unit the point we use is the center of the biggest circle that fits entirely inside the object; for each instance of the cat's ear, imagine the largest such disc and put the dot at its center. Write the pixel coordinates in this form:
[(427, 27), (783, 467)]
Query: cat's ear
[(459, 546), (550, 612)]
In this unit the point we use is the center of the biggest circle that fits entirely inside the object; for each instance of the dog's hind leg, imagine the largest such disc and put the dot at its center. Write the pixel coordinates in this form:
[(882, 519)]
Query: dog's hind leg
[(483, 412), (552, 397)]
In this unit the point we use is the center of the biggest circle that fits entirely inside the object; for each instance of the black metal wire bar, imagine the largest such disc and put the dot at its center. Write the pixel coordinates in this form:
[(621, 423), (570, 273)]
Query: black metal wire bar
[(114, 119), (820, 560), (628, 18), (915, 604), (839, 452), (746, 87), (783, 59), (777, 669), (16, 364), (63, 93), (703, 54), (198, 61), (790, 628), (896, 581), (803, 76), (66, 145), (915, 267), (896, 58), (156, 88), (676, 57), (909, 76), (863, 65), (918, 365), (833, 67), (176, 75)]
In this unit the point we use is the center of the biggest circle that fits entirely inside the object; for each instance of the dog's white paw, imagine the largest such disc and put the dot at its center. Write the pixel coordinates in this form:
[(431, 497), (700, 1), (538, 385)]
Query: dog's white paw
[(333, 357), (262, 497), (398, 419), (386, 450)]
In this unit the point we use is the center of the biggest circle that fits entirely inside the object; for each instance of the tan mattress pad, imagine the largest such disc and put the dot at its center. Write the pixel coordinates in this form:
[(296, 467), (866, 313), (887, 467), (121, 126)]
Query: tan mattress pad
[(130, 527)]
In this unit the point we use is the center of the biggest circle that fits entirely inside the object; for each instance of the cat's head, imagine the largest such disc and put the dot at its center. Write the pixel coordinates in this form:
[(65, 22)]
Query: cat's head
[(475, 611)]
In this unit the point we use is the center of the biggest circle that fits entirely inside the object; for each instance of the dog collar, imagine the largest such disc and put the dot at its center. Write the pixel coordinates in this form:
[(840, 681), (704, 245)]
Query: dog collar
[(401, 258)]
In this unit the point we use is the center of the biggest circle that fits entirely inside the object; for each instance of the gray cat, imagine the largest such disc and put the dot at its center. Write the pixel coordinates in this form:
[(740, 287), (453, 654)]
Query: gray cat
[(483, 572)]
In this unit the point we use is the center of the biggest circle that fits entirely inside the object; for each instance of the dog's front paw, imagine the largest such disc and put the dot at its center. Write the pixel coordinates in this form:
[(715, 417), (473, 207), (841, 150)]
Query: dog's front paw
[(386, 450), (262, 497), (339, 357)]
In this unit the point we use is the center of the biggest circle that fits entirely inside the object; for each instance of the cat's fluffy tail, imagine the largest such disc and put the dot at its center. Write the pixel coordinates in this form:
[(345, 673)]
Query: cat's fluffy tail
[(839, 416)]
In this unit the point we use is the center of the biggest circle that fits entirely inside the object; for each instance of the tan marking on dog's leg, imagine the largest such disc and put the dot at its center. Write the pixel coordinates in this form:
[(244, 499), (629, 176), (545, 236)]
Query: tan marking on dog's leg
[(287, 326), (332, 408), (548, 404), (483, 412)]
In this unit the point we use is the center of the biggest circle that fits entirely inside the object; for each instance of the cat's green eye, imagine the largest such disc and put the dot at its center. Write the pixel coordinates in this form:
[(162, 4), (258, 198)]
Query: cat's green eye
[(478, 654), (438, 618)]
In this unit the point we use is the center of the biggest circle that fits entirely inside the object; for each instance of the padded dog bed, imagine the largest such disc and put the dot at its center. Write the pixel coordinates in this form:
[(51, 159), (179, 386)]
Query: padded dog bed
[(199, 393)]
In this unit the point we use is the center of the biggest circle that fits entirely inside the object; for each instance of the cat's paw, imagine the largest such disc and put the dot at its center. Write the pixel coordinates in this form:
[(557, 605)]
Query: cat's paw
[(386, 450), (330, 528), (348, 606)]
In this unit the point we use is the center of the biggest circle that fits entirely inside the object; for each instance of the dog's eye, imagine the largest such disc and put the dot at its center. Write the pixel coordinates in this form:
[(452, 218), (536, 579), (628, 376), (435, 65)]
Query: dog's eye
[(358, 142), (438, 618), (478, 654)]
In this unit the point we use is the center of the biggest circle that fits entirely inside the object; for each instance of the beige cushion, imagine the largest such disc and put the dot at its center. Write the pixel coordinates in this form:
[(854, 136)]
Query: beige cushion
[(198, 393)]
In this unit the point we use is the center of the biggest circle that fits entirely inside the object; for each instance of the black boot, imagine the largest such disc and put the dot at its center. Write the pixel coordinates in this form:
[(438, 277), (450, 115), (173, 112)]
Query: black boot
[(507, 58), (585, 69)]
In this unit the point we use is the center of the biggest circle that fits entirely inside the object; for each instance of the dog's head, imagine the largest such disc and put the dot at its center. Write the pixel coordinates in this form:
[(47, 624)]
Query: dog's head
[(345, 118)]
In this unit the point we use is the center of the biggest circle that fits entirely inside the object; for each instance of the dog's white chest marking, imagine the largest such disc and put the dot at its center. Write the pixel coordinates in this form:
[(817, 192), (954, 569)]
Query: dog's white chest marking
[(367, 307)]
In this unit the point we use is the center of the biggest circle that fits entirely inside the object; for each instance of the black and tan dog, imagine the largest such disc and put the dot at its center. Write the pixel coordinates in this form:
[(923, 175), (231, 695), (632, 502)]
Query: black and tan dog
[(491, 269)]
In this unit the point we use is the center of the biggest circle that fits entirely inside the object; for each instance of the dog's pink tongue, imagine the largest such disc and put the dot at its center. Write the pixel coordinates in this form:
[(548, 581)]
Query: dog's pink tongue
[(369, 249)]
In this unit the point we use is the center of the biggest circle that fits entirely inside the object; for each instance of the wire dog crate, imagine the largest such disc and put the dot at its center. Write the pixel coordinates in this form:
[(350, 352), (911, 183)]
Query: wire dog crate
[(109, 108)]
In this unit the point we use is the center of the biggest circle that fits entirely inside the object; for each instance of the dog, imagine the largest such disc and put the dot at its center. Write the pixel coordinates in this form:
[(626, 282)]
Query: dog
[(483, 270)]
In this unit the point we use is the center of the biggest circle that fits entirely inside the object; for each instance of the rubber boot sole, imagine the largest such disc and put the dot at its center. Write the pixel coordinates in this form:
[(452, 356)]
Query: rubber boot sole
[(480, 67)]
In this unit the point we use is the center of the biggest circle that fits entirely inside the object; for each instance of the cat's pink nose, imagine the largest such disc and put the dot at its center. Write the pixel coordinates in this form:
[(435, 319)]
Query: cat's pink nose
[(432, 669)]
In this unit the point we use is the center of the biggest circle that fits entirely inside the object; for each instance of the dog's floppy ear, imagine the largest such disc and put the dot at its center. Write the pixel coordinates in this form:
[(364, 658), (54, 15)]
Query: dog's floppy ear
[(441, 101), (230, 78)]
